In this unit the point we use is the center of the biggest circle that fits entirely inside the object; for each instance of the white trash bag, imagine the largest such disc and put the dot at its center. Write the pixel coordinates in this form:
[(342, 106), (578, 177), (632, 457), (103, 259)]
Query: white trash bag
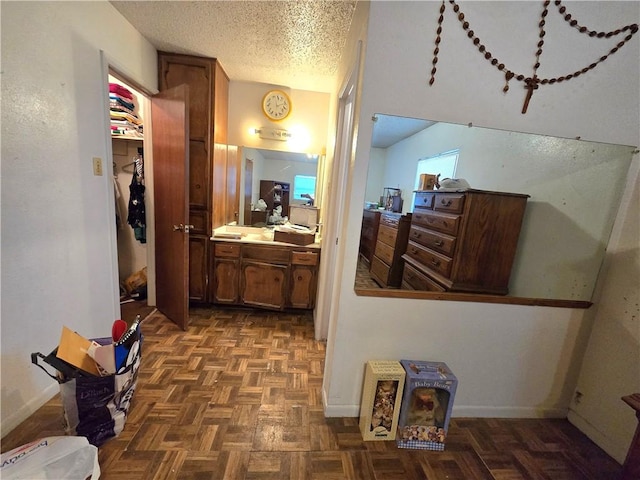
[(68, 458)]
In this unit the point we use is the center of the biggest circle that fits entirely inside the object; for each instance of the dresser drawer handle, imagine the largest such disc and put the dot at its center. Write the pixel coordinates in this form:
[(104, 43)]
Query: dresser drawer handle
[(446, 203), (417, 235), (414, 251), (435, 263), (438, 243)]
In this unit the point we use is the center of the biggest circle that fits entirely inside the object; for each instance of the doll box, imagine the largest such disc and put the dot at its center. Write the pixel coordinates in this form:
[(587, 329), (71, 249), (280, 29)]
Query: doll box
[(381, 395), (429, 391)]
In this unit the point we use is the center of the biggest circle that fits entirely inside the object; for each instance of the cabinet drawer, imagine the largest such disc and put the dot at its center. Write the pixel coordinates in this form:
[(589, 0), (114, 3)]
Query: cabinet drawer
[(379, 271), (418, 281), (389, 220), (387, 235), (266, 254), (449, 202), (430, 259), (441, 222), (434, 240), (384, 252), (227, 250), (424, 200), (304, 258)]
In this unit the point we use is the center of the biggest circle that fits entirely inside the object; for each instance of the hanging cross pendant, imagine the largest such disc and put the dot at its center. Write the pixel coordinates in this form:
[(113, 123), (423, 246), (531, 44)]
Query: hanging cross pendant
[(531, 84)]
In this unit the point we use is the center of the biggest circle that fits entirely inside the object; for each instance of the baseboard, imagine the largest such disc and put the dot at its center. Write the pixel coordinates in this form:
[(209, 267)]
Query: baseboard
[(618, 452), (28, 409), (462, 411), (465, 411)]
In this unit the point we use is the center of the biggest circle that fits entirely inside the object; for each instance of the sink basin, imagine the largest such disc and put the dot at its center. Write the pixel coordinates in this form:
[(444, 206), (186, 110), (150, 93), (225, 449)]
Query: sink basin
[(259, 234)]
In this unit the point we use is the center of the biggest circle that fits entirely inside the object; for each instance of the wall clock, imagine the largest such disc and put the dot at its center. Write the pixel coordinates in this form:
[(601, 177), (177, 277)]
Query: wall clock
[(276, 105)]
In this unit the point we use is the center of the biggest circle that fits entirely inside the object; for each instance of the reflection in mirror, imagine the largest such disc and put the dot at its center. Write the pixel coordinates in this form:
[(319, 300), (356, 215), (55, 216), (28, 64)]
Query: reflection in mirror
[(263, 172), (574, 190)]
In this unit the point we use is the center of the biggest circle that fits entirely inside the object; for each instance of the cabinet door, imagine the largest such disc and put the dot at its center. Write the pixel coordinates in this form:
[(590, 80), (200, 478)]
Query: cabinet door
[(303, 286), (263, 284), (198, 245), (226, 273)]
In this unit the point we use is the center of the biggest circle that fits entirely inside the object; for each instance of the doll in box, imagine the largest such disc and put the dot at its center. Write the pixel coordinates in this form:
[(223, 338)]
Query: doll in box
[(383, 404), (425, 408)]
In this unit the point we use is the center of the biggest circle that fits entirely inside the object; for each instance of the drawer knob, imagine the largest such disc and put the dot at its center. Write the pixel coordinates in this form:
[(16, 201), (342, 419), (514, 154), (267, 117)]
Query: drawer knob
[(435, 263), (446, 203), (438, 243)]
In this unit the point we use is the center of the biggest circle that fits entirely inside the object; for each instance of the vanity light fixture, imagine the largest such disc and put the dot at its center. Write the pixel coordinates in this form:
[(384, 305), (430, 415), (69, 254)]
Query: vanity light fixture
[(273, 134)]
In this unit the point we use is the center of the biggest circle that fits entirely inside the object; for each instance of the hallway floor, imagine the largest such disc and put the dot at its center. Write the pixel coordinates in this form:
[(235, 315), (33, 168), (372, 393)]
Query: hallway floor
[(238, 396)]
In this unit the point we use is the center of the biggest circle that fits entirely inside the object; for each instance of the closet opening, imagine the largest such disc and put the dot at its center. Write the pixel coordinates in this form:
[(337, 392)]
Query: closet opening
[(129, 112)]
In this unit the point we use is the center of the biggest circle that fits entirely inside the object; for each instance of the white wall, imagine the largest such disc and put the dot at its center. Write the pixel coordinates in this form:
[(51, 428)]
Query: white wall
[(307, 121), (510, 360), (58, 220)]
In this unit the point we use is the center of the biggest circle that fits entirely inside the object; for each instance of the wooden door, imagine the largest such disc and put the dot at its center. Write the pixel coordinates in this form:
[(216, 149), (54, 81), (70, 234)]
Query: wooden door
[(248, 191), (169, 117)]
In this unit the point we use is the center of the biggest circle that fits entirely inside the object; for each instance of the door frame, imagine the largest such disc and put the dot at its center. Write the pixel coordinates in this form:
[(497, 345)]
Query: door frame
[(111, 67)]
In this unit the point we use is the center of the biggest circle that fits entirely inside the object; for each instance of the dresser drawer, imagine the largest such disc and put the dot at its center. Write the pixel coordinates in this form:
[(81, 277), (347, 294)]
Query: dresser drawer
[(418, 281), (379, 271), (449, 202), (390, 220), (435, 241), (430, 259), (387, 234), (384, 252), (227, 250), (441, 222), (424, 200)]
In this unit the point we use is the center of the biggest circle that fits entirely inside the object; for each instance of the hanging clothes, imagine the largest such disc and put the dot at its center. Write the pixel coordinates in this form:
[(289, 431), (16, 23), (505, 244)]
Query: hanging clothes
[(136, 217)]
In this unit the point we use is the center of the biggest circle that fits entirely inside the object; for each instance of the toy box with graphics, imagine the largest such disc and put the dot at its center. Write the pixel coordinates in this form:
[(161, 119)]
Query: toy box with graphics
[(381, 395), (430, 388)]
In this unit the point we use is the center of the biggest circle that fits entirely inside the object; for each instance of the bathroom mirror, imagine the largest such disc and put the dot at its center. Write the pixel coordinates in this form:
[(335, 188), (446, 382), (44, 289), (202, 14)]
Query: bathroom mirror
[(575, 188), (299, 170)]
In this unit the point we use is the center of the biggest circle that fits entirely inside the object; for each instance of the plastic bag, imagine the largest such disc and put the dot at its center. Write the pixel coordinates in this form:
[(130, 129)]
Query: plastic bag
[(71, 458)]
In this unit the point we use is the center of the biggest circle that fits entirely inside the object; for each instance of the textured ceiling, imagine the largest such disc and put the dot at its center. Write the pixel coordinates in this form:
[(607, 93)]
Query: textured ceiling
[(296, 44)]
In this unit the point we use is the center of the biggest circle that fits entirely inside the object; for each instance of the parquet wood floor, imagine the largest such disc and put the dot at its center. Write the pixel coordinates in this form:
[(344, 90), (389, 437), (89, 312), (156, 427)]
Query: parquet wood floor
[(237, 396)]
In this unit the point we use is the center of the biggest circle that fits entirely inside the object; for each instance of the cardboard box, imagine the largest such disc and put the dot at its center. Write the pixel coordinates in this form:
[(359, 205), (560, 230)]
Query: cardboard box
[(293, 237), (429, 391), (381, 394)]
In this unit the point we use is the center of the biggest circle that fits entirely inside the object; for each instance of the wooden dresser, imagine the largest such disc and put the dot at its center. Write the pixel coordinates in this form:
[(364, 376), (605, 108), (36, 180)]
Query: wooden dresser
[(463, 241), (369, 234), (391, 243)]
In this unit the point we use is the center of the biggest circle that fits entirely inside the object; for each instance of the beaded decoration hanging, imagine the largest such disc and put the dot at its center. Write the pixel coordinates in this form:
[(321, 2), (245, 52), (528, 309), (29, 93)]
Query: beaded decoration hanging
[(533, 82)]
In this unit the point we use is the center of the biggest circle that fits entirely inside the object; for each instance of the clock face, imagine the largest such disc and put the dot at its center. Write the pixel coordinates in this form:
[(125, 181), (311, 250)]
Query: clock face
[(276, 105)]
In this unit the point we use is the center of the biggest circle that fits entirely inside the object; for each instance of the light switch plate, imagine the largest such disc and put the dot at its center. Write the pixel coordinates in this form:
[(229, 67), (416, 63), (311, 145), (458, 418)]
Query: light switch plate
[(97, 166)]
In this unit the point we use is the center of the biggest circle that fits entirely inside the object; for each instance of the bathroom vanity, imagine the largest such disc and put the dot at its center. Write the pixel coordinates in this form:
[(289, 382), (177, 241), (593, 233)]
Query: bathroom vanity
[(250, 269)]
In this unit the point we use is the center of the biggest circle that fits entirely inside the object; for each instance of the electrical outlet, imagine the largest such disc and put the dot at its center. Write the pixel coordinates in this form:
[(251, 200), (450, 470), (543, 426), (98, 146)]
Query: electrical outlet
[(97, 166)]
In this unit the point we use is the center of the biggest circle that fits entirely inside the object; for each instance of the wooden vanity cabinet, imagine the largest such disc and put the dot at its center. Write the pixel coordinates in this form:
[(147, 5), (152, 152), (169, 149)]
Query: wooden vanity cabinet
[(208, 87), (226, 273), (369, 234), (304, 279), (387, 263), (463, 241), (265, 276)]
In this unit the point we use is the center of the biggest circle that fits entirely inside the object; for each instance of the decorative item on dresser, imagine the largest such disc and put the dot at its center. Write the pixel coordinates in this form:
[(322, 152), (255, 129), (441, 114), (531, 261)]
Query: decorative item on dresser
[(275, 194), (369, 234), (463, 241), (391, 244)]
